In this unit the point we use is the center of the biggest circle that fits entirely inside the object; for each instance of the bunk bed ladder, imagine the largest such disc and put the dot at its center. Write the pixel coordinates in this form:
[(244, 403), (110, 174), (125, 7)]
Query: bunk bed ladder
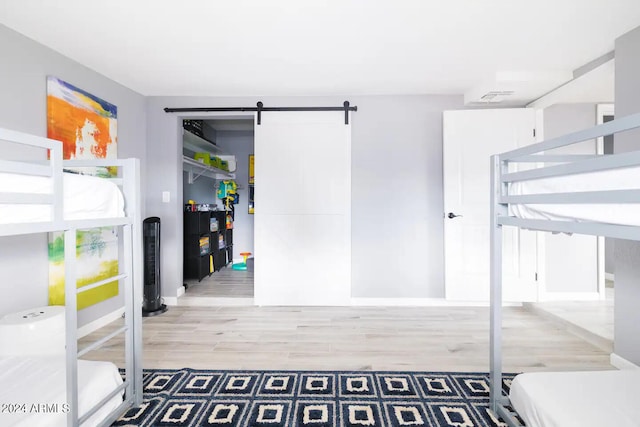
[(132, 329), (72, 353), (71, 319)]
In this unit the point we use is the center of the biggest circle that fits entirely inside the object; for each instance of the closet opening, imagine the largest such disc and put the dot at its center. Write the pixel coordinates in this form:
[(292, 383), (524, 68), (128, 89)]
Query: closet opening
[(218, 228)]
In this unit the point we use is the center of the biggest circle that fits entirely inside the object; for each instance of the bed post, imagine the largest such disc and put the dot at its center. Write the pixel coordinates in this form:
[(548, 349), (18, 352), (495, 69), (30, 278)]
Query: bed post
[(133, 298), (71, 327), (495, 374)]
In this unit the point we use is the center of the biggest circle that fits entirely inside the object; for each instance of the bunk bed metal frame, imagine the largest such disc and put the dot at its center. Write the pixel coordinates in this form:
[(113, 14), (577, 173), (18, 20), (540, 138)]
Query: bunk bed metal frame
[(130, 260), (562, 165)]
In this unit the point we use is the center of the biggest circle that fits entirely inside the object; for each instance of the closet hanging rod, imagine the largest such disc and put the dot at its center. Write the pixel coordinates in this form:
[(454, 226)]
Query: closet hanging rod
[(259, 108)]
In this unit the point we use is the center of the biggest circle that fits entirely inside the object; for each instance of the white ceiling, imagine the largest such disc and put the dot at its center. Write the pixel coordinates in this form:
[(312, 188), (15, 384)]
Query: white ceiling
[(325, 47), (596, 86)]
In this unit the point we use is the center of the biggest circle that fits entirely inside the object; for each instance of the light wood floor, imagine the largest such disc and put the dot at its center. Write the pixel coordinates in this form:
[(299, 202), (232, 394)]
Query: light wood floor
[(226, 283), (351, 338), (592, 320)]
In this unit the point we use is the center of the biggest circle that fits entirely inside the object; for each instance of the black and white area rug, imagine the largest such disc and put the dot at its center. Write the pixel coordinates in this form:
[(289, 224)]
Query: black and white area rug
[(189, 397)]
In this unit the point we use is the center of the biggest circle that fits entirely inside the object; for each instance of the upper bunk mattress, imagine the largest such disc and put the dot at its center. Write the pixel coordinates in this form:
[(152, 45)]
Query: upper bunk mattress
[(618, 179), (40, 383), (577, 399), (85, 197)]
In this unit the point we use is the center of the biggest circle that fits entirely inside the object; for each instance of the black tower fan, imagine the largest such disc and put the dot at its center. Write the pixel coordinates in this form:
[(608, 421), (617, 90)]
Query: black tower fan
[(152, 304)]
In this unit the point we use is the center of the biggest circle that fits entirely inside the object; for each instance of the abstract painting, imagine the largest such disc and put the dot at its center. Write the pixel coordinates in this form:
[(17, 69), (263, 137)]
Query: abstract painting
[(87, 126), (96, 259)]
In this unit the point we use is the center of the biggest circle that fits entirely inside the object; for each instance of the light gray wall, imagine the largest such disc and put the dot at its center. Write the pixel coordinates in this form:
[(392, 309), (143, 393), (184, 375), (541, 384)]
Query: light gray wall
[(240, 144), (397, 233), (627, 253), (203, 190), (25, 67), (397, 199), (578, 272)]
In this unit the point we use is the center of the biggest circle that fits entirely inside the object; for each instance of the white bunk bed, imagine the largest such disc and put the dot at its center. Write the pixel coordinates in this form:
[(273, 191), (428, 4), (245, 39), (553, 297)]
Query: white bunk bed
[(38, 197), (583, 194)]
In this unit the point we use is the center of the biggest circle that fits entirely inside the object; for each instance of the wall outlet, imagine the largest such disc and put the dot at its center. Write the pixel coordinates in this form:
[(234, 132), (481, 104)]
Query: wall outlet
[(166, 197)]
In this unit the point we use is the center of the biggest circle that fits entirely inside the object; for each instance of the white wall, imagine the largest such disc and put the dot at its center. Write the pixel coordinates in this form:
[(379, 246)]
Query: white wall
[(571, 261), (25, 66), (397, 232), (627, 253)]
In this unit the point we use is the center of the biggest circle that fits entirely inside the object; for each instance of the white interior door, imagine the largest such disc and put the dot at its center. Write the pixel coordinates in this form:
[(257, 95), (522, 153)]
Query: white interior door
[(470, 138), (302, 209)]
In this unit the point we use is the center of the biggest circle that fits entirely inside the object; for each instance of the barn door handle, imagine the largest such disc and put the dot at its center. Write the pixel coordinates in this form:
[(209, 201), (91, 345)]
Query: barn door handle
[(451, 215)]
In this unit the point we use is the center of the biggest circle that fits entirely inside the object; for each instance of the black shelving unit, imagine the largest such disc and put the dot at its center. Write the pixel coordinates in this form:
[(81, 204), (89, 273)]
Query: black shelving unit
[(197, 245), (219, 245), (229, 234)]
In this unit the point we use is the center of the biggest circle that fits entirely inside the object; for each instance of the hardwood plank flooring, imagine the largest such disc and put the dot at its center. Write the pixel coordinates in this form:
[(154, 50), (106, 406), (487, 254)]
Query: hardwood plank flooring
[(351, 338), (592, 320), (225, 283)]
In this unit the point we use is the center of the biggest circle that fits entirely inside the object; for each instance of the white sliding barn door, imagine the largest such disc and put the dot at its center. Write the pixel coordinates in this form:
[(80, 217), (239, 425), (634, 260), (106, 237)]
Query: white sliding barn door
[(470, 137), (302, 209)]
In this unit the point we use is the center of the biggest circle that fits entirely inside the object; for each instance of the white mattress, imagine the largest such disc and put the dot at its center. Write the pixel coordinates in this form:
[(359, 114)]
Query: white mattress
[(41, 381), (577, 399), (619, 179), (85, 197)]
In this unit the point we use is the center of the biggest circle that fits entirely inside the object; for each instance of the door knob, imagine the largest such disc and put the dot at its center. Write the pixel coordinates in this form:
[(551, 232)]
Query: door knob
[(451, 215)]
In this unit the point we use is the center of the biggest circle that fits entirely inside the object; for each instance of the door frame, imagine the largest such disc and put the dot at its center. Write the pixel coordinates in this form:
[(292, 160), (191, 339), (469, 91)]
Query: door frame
[(203, 115), (541, 265), (602, 110), (531, 293)]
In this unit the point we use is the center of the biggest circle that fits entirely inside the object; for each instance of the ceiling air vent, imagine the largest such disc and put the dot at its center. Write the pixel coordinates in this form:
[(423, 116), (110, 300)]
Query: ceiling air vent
[(495, 96)]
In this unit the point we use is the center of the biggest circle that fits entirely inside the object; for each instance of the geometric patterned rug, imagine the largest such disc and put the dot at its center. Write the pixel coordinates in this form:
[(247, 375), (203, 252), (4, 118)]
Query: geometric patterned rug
[(189, 397)]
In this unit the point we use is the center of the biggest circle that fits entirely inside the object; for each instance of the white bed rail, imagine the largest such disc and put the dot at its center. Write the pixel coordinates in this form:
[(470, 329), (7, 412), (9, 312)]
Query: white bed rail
[(51, 168), (569, 165), (561, 165)]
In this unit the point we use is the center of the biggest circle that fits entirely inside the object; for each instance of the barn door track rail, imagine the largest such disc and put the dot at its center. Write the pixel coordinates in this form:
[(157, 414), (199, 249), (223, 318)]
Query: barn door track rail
[(259, 108)]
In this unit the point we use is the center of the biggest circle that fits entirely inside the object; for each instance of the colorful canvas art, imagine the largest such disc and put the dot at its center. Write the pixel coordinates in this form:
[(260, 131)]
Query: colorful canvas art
[(97, 259), (87, 127)]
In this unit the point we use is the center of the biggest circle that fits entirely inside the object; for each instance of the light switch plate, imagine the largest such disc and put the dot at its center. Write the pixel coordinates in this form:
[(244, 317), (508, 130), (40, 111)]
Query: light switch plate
[(166, 197)]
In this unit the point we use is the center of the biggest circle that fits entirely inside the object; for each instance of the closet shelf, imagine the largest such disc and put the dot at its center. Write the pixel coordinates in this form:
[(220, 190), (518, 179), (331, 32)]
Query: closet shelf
[(196, 144), (197, 169)]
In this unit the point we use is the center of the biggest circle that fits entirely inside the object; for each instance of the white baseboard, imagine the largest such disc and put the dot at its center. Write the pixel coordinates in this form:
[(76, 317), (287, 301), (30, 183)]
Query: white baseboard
[(99, 323), (621, 362), (170, 300), (174, 300), (571, 296), (354, 302), (216, 302), (609, 276), (422, 302)]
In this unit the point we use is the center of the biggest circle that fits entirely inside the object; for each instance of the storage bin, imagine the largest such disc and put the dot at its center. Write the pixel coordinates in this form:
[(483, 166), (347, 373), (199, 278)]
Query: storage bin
[(194, 126), (203, 158), (215, 162)]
